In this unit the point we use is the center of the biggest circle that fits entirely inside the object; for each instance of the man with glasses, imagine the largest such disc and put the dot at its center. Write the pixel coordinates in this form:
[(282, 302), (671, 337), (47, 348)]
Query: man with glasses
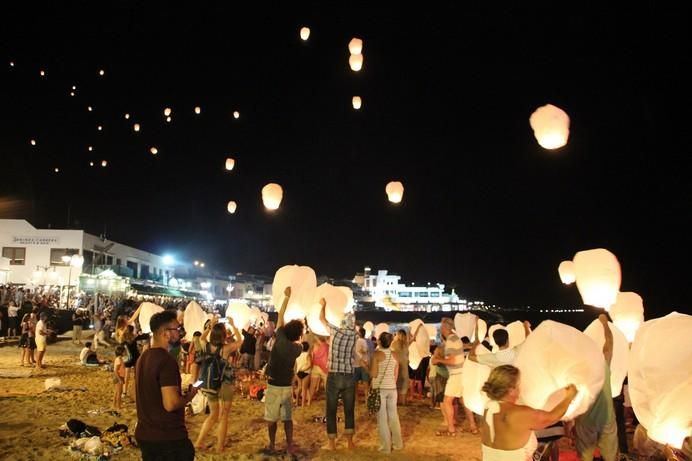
[(161, 432)]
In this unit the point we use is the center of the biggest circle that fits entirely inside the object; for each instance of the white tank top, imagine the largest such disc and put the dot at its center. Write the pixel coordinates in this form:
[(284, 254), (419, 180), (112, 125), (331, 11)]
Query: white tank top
[(385, 372)]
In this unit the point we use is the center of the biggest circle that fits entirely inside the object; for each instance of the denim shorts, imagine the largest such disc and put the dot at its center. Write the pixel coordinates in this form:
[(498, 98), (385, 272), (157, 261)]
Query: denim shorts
[(278, 403), (361, 374)]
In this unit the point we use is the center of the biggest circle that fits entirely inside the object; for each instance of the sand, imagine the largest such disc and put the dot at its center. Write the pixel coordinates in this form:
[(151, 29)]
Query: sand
[(30, 418)]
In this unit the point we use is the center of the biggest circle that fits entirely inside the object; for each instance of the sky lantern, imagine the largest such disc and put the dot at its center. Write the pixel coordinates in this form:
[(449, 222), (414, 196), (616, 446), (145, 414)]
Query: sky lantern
[(660, 378), (465, 325), (357, 102), (369, 327), (381, 328), (198, 110), (167, 111), (236, 114), (473, 376), (146, 311), (231, 207), (598, 277), (395, 191), (194, 319), (104, 163), (74, 87), (11, 63), (57, 170), (422, 339), (355, 46), (628, 313), (91, 163), (32, 142), (414, 357), (566, 271), (305, 33), (127, 116), (350, 302), (71, 93), (230, 163), (356, 62), (303, 283), (90, 148), (272, 194), (42, 73), (337, 303), (553, 356), (240, 313), (621, 350), (168, 119), (550, 125), (100, 128), (136, 127), (102, 72), (154, 150), (482, 328)]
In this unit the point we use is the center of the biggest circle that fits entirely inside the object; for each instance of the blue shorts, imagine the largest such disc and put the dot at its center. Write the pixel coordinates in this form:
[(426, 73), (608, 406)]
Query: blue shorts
[(361, 374), (277, 403)]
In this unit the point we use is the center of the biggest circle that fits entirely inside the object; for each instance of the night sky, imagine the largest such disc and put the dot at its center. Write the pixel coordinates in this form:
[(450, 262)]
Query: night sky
[(447, 94)]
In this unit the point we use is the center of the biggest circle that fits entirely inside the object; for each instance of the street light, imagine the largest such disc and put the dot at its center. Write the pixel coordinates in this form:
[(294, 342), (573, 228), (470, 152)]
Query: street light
[(72, 261)]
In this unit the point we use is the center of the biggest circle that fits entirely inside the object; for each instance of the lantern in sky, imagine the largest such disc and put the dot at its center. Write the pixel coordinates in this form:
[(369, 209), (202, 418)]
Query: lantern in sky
[(231, 207), (240, 313), (337, 302), (11, 63), (566, 271), (230, 163), (127, 116), (57, 170), (102, 72), (146, 311), (91, 163), (154, 150), (104, 163), (168, 119), (381, 328), (272, 194), (167, 111), (43, 73), (355, 46), (236, 114), (305, 33), (357, 102), (303, 283), (598, 277), (628, 313), (136, 127), (100, 128), (550, 126), (90, 148), (356, 62), (395, 191), (74, 87), (198, 110), (32, 142), (660, 378), (465, 325), (621, 350), (71, 93), (194, 319), (553, 356)]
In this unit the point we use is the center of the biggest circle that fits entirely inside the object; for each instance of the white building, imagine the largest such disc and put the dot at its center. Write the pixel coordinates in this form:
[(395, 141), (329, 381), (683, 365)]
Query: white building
[(35, 256)]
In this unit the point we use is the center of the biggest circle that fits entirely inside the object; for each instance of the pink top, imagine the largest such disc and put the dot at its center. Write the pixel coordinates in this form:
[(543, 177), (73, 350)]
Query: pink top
[(320, 355)]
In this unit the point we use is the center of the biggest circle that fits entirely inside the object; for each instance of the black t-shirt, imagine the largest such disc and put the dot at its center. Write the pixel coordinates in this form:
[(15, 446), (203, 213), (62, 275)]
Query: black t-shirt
[(249, 342), (282, 360)]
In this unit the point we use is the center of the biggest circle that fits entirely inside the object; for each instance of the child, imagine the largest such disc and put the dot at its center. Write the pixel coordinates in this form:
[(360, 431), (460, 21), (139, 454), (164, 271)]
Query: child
[(118, 376)]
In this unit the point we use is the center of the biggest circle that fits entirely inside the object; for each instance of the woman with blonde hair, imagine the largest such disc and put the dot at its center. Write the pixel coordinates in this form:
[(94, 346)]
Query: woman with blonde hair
[(507, 427), (384, 369)]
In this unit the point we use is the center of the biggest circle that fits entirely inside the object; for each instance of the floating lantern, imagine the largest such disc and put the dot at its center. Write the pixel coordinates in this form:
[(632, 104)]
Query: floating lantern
[(230, 163), (100, 128), (660, 378), (57, 170), (102, 72), (90, 109), (553, 356), (146, 311), (74, 87), (198, 110), (236, 114), (32, 142), (355, 46), (482, 329), (127, 116), (240, 313), (369, 327), (598, 277), (90, 148), (356, 62), (167, 111), (71, 93), (628, 313), (350, 303), (231, 207), (422, 340), (43, 73), (357, 102), (337, 302), (566, 271), (272, 194), (168, 119), (11, 64), (550, 125), (154, 150), (303, 283), (305, 33), (136, 127), (473, 376), (381, 328), (104, 163), (395, 191), (516, 333), (194, 319), (91, 163), (621, 350), (414, 357)]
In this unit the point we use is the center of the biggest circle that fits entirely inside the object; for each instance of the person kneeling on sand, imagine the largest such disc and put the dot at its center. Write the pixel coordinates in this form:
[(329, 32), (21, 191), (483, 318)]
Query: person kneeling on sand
[(87, 356)]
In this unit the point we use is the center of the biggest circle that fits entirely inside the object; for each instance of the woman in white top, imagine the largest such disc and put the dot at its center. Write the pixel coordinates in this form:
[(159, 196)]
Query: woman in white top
[(507, 428), (384, 369)]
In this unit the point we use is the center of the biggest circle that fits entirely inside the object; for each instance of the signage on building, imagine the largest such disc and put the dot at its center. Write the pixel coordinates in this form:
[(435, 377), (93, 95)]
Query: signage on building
[(33, 240)]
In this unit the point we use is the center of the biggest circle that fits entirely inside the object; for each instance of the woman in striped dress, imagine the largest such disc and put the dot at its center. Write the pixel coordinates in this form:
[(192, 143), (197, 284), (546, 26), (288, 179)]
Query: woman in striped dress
[(383, 369)]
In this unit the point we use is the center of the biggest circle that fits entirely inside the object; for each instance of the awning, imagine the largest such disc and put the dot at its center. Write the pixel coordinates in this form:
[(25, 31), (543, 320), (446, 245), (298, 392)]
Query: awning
[(163, 291)]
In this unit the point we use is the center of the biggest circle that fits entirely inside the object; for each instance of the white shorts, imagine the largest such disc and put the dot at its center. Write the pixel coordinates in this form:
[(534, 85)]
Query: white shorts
[(41, 343), (454, 386)]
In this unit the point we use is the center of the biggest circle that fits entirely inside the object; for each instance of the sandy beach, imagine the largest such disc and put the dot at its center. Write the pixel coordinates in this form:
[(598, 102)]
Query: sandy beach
[(31, 418)]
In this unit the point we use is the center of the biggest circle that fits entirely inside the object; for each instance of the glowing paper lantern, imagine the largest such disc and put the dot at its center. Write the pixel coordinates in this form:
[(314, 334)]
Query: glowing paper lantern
[(100, 128), (598, 277), (167, 111), (198, 110), (355, 46), (414, 357), (91, 163), (550, 126), (89, 108), (57, 170), (660, 378), (357, 102), (350, 302), (516, 332), (42, 73), (356, 62), (71, 93), (482, 329), (231, 207), (554, 356), (422, 339), (145, 313), (465, 325), (240, 313), (104, 163), (567, 273), (628, 313), (621, 350), (337, 302), (368, 326), (381, 328), (305, 33), (230, 163), (272, 194), (432, 331), (194, 319), (136, 127), (314, 323), (90, 148), (395, 191), (473, 376), (102, 72), (127, 117), (32, 142), (303, 283), (168, 119), (236, 114), (154, 150)]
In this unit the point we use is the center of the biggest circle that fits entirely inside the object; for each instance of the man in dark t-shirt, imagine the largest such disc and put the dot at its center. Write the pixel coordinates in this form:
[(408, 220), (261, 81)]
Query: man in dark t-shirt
[(247, 349), (161, 432), (282, 361)]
